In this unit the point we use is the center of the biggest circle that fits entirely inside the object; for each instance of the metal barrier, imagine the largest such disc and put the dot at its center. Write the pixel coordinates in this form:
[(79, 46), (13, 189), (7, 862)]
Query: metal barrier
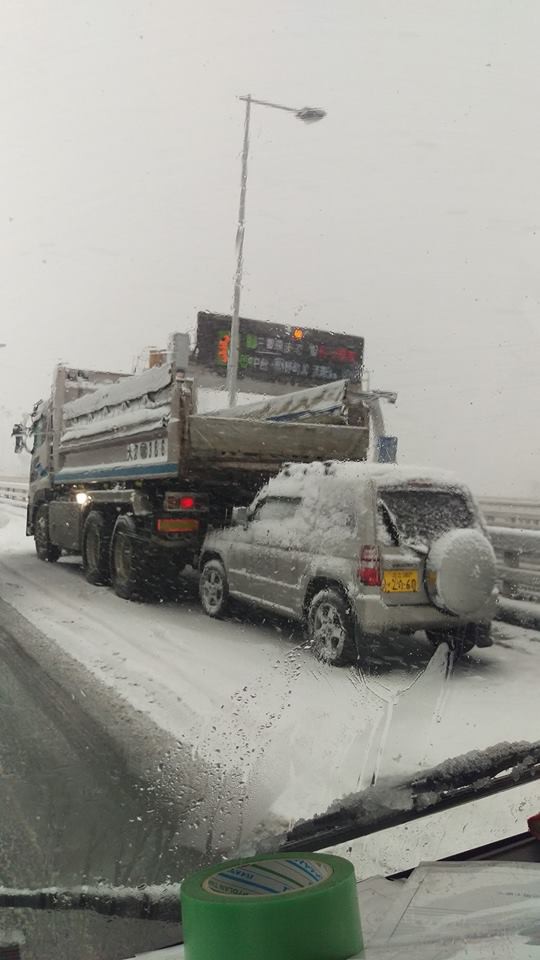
[(517, 514), (518, 553), (14, 492), (514, 528)]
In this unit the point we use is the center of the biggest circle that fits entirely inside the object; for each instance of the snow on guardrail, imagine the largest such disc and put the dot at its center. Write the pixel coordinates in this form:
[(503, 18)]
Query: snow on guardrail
[(14, 492), (514, 528)]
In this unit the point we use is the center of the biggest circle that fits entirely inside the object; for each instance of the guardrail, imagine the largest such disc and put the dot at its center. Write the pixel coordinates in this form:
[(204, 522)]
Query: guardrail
[(518, 553), (14, 492), (514, 528), (505, 512)]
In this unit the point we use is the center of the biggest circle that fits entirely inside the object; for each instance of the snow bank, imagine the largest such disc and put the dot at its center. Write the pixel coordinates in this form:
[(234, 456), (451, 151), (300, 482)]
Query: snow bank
[(520, 612)]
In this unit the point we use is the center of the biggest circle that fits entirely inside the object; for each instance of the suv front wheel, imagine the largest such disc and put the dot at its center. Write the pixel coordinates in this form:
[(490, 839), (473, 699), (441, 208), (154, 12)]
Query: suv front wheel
[(330, 625), (213, 588)]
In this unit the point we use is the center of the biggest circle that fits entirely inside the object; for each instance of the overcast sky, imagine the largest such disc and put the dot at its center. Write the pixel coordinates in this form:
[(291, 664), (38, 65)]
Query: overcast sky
[(410, 215)]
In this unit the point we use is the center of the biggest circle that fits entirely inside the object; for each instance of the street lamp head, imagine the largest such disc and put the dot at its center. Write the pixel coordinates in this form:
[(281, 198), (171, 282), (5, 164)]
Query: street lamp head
[(310, 114)]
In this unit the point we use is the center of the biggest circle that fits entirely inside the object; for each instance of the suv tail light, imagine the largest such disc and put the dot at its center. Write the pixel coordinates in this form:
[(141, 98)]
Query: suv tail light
[(369, 571)]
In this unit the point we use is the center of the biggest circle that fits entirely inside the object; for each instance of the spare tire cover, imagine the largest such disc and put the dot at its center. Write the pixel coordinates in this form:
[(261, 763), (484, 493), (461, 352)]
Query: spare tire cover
[(461, 571)]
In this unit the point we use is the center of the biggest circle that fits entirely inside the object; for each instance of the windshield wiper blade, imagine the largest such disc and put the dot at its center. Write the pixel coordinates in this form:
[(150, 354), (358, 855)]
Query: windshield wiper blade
[(420, 548), (400, 538), (458, 780), (461, 779)]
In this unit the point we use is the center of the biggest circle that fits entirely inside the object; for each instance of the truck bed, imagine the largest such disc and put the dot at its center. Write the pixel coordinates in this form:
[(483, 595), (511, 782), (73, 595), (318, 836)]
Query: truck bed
[(220, 442), (146, 426)]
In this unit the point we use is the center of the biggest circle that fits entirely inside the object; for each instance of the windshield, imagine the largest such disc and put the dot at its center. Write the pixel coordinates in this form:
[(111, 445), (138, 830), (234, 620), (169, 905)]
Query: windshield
[(424, 515), (270, 458)]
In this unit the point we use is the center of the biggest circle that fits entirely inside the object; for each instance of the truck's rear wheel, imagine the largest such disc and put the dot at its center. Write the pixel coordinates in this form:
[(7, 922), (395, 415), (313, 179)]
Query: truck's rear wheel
[(129, 561), (96, 548), (44, 548)]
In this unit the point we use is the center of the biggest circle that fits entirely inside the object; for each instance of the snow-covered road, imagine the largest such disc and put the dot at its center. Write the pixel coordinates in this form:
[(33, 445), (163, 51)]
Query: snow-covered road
[(248, 694)]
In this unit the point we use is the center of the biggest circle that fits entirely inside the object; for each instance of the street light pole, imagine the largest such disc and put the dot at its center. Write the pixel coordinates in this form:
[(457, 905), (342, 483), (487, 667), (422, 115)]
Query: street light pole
[(234, 345), (307, 115)]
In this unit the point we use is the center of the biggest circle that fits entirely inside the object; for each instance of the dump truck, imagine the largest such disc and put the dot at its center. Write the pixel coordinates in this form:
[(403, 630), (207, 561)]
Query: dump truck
[(128, 473)]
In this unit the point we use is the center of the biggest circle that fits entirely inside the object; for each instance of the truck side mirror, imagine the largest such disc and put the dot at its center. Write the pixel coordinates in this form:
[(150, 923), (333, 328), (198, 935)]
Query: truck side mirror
[(239, 517), (18, 433)]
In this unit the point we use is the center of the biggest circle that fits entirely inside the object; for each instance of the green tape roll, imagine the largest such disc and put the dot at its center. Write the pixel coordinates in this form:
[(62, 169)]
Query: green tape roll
[(282, 906)]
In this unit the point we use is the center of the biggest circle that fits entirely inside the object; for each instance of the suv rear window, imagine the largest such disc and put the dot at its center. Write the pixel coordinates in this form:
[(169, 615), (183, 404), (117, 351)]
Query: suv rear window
[(423, 515)]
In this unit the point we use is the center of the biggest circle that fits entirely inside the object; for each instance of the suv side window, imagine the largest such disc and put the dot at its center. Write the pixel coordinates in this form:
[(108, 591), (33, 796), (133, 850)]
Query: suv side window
[(275, 508), (337, 516)]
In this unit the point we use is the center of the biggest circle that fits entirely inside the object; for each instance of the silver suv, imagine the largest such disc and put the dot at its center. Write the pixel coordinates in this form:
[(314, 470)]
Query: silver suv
[(356, 549)]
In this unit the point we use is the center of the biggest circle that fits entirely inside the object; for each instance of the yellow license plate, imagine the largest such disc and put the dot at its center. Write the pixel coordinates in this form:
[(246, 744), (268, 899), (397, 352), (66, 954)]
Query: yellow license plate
[(400, 581)]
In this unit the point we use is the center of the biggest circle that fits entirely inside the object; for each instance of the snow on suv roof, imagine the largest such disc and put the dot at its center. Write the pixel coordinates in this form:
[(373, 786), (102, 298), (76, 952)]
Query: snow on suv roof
[(294, 477), (393, 472)]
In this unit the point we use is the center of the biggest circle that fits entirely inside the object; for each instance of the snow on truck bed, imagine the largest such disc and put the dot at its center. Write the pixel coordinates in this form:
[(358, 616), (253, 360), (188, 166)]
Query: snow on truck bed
[(128, 421), (115, 394), (315, 424), (328, 400), (132, 405)]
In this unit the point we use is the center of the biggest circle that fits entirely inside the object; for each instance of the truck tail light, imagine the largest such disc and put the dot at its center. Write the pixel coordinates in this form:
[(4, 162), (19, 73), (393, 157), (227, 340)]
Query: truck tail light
[(177, 525), (184, 501), (369, 571)]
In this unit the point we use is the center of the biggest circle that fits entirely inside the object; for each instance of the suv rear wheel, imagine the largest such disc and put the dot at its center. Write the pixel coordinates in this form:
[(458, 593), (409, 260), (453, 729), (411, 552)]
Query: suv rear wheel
[(330, 625)]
